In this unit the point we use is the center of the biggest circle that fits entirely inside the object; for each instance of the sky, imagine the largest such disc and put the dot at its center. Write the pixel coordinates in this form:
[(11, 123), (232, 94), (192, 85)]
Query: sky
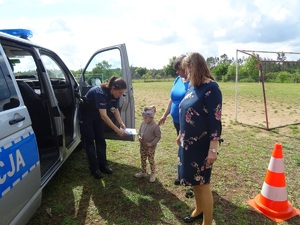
[(155, 31)]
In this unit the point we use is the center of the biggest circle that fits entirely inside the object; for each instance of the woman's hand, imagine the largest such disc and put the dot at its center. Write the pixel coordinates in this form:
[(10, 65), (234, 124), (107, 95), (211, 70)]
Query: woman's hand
[(178, 140), (121, 133), (161, 120), (122, 125), (211, 157)]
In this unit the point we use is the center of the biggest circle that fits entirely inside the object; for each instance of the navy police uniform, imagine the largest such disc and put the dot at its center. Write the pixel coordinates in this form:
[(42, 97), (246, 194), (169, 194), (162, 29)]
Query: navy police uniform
[(92, 126)]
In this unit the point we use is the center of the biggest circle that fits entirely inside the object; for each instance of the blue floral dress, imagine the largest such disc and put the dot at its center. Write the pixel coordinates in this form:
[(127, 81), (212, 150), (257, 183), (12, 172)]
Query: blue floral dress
[(200, 122)]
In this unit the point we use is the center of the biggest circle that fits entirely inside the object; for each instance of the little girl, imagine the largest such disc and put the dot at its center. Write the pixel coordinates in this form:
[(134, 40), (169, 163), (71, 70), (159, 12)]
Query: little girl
[(149, 134)]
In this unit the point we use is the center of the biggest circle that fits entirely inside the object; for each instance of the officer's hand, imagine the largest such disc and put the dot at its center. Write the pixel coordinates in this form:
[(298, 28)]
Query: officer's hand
[(122, 125), (122, 133)]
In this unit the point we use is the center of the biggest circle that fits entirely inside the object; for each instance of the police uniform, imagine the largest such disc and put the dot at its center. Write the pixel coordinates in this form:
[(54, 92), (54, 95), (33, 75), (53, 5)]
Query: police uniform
[(92, 126)]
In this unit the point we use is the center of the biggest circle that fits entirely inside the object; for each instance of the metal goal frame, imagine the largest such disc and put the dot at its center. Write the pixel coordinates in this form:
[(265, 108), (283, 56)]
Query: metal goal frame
[(262, 80)]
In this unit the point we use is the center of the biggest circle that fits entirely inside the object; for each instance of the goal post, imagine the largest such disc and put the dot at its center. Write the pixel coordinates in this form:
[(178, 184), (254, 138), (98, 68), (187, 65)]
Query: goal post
[(255, 109)]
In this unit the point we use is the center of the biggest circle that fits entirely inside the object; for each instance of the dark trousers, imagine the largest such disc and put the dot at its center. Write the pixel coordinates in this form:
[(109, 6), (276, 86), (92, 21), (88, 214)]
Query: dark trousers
[(92, 133), (177, 127)]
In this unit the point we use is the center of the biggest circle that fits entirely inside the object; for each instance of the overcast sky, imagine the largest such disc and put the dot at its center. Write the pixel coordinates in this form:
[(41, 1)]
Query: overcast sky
[(155, 31)]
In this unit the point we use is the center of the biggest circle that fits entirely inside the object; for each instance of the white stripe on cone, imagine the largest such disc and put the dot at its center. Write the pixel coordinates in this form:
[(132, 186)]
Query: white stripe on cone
[(277, 194), (276, 165)]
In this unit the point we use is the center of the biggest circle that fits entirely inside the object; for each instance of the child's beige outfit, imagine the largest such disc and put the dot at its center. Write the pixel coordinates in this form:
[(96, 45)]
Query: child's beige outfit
[(149, 132)]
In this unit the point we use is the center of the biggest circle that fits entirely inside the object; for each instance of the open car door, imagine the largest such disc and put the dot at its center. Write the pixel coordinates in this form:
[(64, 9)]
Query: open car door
[(107, 62)]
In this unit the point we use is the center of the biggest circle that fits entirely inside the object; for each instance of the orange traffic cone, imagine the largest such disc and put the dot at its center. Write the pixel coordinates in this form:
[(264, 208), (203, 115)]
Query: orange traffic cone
[(272, 200)]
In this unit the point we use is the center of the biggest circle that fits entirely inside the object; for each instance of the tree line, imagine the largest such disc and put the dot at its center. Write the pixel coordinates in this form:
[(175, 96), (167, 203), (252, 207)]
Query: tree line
[(250, 69), (224, 69)]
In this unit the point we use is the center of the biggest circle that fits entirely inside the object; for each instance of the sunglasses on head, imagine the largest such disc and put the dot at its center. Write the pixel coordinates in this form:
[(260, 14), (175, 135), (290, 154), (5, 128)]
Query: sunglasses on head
[(149, 113)]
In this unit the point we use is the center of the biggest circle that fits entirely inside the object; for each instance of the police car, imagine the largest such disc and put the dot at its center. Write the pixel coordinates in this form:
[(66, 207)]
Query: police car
[(39, 108)]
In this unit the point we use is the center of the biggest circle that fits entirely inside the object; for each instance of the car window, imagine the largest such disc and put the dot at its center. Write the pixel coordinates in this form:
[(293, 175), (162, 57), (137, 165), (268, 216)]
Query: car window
[(23, 66), (53, 69), (8, 94), (5, 93), (103, 66)]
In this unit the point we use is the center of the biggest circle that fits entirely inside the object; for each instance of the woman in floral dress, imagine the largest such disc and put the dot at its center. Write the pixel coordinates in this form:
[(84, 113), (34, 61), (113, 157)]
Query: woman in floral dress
[(200, 131)]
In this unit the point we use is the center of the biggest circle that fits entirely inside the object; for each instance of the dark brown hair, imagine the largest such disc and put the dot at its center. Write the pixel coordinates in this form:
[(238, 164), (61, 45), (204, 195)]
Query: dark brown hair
[(177, 63), (117, 83)]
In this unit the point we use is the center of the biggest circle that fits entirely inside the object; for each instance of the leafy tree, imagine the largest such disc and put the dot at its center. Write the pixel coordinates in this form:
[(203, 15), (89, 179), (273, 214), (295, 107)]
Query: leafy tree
[(211, 62), (283, 77), (220, 70), (140, 71), (159, 73), (147, 76), (251, 69), (158, 76), (168, 69), (295, 77), (270, 77), (102, 69), (231, 73), (224, 59)]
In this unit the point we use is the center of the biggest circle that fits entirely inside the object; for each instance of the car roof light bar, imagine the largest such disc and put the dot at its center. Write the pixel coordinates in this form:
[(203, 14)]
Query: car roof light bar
[(22, 33)]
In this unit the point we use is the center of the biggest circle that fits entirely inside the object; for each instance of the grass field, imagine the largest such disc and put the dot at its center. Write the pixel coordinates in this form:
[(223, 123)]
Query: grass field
[(74, 197)]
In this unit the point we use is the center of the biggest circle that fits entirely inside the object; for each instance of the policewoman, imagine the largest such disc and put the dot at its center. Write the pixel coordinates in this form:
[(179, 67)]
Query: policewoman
[(94, 116)]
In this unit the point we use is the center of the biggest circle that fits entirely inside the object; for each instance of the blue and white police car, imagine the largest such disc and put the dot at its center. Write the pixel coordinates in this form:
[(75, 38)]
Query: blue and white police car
[(39, 128)]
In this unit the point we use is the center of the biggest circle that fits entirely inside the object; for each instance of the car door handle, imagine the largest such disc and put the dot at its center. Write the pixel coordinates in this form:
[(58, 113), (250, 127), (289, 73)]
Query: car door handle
[(14, 121)]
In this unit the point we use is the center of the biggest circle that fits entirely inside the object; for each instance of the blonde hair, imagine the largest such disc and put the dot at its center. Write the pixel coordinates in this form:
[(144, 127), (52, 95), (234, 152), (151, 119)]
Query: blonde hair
[(198, 69), (149, 111), (151, 107)]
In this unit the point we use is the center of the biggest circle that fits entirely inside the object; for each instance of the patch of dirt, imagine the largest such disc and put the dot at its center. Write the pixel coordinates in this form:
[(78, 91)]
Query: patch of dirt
[(254, 113)]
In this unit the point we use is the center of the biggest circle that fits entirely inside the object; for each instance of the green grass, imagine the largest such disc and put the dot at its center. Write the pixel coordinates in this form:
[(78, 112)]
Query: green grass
[(76, 198)]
